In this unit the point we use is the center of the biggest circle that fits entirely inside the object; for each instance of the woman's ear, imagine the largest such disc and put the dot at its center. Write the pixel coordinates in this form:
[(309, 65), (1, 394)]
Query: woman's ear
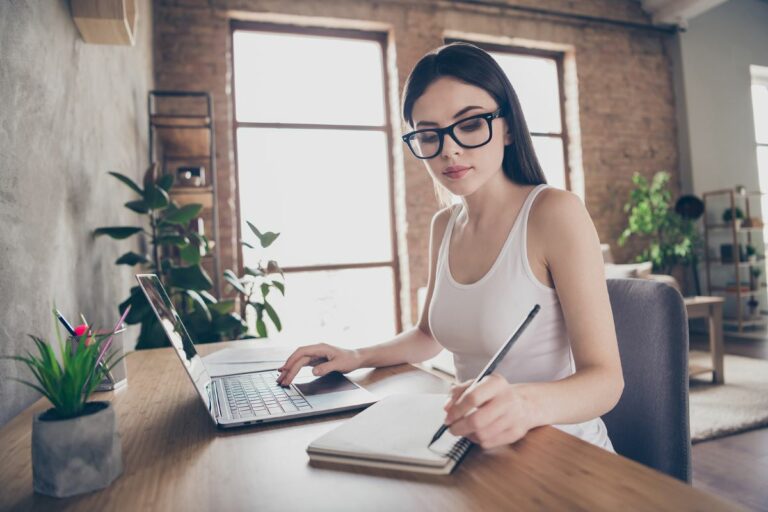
[(507, 138)]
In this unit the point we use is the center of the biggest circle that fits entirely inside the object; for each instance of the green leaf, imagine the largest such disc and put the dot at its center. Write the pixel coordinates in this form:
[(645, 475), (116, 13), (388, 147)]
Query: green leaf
[(228, 322), (268, 238), (223, 306), (117, 232), (264, 290), (210, 299), (199, 303), (234, 281), (128, 181), (177, 240), (189, 278), (255, 272), (280, 286), (246, 244), (254, 229), (274, 268), (131, 258), (190, 254), (261, 327), (138, 206), (273, 315), (165, 182), (184, 214), (156, 197)]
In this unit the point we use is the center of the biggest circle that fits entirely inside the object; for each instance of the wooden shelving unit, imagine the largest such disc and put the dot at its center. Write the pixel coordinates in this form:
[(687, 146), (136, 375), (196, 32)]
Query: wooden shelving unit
[(182, 135), (739, 236)]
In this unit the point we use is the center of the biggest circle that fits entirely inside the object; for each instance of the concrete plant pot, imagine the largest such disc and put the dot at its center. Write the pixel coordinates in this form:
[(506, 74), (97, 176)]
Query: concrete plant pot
[(76, 455)]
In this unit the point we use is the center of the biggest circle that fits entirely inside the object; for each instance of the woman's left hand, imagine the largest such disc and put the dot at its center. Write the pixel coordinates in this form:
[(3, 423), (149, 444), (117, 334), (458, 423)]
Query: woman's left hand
[(502, 412)]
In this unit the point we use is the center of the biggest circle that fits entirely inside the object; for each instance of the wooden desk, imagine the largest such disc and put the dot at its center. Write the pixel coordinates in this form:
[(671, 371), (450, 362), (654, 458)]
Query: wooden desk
[(710, 308), (175, 459)]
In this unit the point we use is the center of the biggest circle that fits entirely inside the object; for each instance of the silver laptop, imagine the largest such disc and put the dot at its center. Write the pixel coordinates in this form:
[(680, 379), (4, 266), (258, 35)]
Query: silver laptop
[(254, 397)]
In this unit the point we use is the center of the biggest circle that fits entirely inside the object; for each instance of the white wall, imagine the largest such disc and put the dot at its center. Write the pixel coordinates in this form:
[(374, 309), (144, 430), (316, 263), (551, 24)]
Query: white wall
[(715, 54)]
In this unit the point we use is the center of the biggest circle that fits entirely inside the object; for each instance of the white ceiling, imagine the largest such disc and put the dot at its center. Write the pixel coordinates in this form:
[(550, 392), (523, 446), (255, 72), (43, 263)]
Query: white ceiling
[(677, 12)]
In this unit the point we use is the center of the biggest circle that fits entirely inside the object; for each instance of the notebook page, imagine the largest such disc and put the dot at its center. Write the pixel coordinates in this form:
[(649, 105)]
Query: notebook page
[(397, 428)]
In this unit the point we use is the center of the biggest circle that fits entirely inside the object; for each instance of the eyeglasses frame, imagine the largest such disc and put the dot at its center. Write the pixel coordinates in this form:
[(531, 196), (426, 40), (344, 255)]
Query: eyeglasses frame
[(441, 132)]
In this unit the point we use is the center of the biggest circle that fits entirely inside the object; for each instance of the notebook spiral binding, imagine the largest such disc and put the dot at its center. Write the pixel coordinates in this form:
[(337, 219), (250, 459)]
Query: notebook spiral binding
[(459, 449)]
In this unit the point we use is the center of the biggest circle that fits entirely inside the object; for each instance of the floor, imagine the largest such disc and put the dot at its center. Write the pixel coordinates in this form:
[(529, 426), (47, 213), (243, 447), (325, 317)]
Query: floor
[(734, 467)]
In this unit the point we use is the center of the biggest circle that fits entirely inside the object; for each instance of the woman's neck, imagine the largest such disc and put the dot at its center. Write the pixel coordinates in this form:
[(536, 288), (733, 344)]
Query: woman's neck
[(490, 202)]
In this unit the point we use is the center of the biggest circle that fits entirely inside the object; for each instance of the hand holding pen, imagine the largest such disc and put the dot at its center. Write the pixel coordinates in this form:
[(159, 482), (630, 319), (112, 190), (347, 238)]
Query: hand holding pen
[(489, 368)]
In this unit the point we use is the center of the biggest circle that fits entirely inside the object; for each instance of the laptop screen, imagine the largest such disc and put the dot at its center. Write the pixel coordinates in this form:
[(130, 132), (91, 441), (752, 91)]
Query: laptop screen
[(178, 336)]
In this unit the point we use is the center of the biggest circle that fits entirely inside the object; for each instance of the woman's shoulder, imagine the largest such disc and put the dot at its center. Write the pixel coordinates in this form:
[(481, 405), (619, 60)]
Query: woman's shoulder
[(558, 213), (441, 218)]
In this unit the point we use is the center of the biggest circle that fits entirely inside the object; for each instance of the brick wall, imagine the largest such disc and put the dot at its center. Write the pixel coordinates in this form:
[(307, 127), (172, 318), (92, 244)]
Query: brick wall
[(624, 107)]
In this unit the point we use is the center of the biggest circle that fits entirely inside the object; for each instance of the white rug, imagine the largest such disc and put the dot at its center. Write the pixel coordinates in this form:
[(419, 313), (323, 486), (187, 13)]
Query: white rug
[(738, 405)]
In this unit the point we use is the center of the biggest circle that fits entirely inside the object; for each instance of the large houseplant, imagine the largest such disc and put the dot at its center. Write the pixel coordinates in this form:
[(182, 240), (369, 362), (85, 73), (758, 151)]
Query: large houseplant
[(75, 444), (175, 255), (669, 239)]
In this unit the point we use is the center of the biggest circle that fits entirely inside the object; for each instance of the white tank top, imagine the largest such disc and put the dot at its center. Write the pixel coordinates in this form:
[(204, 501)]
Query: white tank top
[(473, 320)]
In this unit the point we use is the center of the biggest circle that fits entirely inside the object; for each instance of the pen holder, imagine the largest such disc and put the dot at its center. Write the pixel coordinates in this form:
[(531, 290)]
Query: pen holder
[(118, 375)]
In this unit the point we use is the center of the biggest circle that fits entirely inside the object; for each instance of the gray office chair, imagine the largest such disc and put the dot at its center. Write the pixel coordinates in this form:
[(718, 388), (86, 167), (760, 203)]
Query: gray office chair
[(650, 422)]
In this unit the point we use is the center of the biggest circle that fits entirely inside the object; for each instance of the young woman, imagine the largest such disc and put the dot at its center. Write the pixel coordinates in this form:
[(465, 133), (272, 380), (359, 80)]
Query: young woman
[(512, 242)]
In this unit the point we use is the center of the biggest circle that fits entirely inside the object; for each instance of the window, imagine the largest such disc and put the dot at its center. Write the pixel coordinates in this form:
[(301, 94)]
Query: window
[(537, 79), (313, 160), (760, 114)]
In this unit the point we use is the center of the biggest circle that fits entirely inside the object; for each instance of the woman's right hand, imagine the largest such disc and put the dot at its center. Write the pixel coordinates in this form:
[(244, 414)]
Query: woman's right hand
[(325, 358)]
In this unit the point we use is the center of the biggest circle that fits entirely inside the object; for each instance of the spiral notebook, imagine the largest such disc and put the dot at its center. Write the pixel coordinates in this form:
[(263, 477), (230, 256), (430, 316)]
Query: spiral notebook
[(394, 433)]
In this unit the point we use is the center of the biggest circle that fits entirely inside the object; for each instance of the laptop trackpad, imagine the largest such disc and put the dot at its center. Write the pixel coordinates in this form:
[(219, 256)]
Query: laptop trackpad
[(330, 383)]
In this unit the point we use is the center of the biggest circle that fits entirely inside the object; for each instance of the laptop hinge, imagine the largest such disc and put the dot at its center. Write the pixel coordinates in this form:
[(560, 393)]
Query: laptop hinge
[(215, 400)]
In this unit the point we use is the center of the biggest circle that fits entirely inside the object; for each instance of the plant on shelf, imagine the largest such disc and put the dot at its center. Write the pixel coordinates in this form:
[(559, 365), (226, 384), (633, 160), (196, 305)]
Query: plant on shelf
[(75, 443), (254, 286), (669, 238), (754, 278), (731, 214), (175, 255)]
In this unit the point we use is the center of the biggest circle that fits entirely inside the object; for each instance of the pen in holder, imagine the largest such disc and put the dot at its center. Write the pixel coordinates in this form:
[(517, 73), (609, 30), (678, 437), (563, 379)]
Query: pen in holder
[(117, 377)]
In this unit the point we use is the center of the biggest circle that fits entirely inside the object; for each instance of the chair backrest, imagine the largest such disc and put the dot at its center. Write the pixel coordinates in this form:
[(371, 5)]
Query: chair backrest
[(650, 422)]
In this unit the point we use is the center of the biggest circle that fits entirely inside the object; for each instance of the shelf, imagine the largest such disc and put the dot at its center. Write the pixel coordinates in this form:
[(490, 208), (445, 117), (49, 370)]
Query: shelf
[(191, 195), (184, 140), (744, 291), (695, 369), (105, 21), (178, 121), (729, 227), (732, 322), (182, 134), (717, 261)]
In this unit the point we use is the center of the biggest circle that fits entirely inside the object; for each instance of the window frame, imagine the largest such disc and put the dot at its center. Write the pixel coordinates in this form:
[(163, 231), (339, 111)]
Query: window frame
[(382, 39), (558, 57)]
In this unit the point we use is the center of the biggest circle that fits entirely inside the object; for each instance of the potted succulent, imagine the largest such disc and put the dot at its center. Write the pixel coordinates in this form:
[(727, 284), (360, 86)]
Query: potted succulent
[(75, 444), (751, 253), (734, 215)]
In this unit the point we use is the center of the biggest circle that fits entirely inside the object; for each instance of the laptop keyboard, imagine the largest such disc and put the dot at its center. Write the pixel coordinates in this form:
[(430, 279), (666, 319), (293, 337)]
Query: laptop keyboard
[(258, 394)]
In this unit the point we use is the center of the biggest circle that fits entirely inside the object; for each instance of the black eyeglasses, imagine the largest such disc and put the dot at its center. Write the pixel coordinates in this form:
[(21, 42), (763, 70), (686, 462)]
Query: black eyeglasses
[(473, 132)]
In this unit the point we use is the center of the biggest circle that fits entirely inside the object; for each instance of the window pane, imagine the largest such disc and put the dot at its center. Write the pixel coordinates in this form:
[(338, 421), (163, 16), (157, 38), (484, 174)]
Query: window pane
[(325, 191), (536, 82), (762, 167), (351, 308), (549, 150), (760, 108), (291, 78)]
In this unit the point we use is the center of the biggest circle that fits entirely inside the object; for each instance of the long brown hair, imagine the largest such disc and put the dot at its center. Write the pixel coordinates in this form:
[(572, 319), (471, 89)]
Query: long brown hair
[(474, 66)]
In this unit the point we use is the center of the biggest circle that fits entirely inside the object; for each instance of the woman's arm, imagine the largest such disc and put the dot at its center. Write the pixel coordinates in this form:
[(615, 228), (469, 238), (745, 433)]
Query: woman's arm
[(571, 252), (413, 345)]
